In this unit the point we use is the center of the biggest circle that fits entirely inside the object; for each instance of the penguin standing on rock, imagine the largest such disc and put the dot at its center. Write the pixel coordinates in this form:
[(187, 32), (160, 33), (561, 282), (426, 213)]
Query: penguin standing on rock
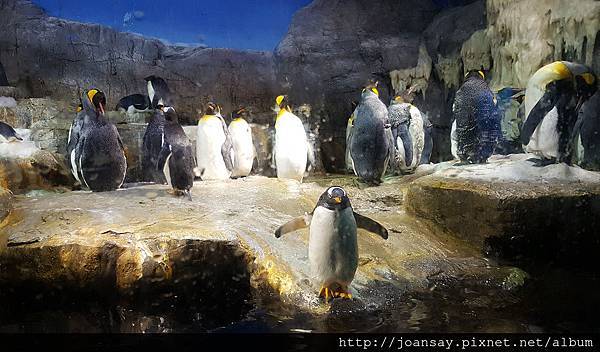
[(159, 98), (292, 152), (408, 135), (8, 134), (371, 141), (477, 120), (243, 146), (99, 156), (554, 95), (134, 103), (332, 244), (214, 148), (176, 156)]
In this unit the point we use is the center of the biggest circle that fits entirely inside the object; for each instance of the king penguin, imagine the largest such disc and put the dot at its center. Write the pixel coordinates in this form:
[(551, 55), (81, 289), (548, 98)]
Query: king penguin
[(292, 152), (99, 155), (8, 134), (214, 148), (243, 145), (332, 243), (408, 135), (477, 120), (371, 142), (176, 156), (553, 97)]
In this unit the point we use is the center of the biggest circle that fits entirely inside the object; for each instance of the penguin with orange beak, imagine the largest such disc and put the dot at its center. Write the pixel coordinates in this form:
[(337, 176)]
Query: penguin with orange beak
[(98, 156)]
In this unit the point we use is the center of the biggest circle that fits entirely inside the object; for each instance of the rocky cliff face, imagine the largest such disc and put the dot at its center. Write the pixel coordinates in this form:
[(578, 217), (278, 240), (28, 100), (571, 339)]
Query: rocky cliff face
[(47, 56), (331, 49)]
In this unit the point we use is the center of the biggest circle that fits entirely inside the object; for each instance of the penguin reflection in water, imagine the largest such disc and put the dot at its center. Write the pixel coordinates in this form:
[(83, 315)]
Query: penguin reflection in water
[(292, 152), (332, 244), (98, 156), (176, 157), (554, 95)]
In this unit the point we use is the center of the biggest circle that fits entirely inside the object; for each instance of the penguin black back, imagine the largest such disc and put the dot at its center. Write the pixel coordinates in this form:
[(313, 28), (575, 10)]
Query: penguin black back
[(371, 143), (100, 154), (158, 92), (138, 101), (477, 119), (177, 155), (152, 144), (8, 133)]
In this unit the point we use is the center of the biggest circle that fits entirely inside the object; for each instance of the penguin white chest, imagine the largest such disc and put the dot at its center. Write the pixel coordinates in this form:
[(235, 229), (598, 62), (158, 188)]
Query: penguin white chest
[(333, 246), (241, 136), (208, 149), (291, 147)]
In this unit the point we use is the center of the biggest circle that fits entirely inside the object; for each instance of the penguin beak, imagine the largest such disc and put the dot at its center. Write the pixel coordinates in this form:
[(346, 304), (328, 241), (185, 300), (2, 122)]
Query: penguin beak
[(337, 200)]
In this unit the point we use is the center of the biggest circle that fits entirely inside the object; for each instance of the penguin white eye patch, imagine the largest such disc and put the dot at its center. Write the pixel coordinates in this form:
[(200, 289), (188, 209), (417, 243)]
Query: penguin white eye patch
[(330, 191)]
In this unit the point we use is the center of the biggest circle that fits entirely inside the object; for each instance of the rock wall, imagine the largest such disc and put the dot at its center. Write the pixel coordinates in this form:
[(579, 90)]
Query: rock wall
[(47, 56)]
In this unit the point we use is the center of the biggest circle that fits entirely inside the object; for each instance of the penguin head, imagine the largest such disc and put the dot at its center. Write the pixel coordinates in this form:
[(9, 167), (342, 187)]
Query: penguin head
[(334, 198), (586, 85), (240, 113), (98, 100), (282, 103), (372, 88), (170, 114), (397, 100), (476, 74), (211, 108)]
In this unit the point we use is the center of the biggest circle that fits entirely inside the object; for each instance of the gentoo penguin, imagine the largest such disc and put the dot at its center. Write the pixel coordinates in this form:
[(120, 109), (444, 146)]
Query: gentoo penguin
[(214, 148), (349, 125), (332, 243), (408, 135), (159, 93), (176, 156), (589, 133), (477, 120), (428, 145), (243, 146), (8, 134), (553, 98), (291, 151), (134, 103), (99, 154), (371, 142)]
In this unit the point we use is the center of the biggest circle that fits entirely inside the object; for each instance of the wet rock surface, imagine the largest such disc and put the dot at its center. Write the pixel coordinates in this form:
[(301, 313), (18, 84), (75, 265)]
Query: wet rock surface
[(140, 240)]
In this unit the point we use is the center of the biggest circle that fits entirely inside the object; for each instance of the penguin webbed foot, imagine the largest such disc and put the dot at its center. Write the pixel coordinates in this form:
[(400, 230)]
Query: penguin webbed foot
[(329, 294), (542, 162)]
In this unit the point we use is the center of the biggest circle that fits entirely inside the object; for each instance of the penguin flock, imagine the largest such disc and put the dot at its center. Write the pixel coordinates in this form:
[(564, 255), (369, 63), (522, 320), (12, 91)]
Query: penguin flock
[(555, 119)]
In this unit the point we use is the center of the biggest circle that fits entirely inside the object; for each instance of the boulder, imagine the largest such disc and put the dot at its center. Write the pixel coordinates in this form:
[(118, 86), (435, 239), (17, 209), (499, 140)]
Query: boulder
[(511, 209)]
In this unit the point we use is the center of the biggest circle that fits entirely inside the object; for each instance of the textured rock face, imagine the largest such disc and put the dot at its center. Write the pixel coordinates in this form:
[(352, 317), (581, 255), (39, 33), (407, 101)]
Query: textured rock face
[(5, 203), (46, 56), (512, 209), (333, 48)]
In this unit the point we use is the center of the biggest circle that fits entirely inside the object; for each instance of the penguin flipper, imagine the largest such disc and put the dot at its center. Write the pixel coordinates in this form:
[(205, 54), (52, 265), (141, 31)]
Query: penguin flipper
[(406, 143), (370, 225), (227, 147), (293, 225), (539, 111), (162, 156)]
